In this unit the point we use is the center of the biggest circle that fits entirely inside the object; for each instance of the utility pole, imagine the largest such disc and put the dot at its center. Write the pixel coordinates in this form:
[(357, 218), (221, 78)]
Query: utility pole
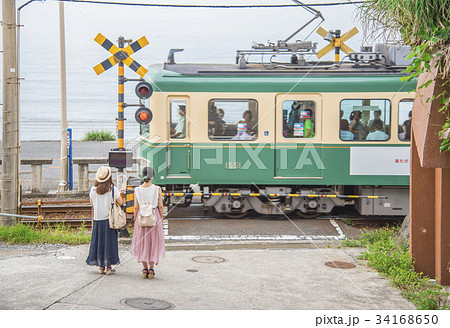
[(10, 139), (63, 185)]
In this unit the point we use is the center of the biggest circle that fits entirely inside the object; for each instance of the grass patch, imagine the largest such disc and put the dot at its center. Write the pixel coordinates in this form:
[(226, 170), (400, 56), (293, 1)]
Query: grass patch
[(346, 221), (130, 231), (59, 234), (351, 243), (99, 135), (386, 254)]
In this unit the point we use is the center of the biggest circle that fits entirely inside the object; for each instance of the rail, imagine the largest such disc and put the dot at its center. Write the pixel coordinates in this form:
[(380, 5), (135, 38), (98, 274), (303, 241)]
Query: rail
[(76, 213)]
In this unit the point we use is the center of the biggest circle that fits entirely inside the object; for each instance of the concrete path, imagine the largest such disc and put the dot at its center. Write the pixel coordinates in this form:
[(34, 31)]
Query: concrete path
[(234, 279)]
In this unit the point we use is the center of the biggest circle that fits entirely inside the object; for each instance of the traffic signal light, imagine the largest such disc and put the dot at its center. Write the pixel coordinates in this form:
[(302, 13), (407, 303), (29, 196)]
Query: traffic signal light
[(144, 90), (143, 115)]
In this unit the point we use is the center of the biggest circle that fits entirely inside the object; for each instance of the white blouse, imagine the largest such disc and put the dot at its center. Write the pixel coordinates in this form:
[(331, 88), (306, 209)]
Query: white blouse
[(102, 203), (147, 195)]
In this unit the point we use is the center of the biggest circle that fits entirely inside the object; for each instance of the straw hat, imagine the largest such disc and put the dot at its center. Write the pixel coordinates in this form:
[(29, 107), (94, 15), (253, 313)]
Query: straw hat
[(103, 174)]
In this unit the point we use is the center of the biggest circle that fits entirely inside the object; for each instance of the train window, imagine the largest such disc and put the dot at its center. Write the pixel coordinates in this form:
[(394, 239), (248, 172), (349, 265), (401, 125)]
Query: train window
[(177, 119), (232, 119), (365, 120), (298, 118), (404, 119)]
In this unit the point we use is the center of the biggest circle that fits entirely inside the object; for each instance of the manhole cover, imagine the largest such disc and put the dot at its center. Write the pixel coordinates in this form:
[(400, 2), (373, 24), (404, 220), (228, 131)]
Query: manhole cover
[(147, 303), (208, 259), (191, 270), (340, 265)]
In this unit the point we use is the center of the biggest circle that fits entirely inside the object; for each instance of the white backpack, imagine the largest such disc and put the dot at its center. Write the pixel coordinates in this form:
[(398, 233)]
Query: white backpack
[(147, 210)]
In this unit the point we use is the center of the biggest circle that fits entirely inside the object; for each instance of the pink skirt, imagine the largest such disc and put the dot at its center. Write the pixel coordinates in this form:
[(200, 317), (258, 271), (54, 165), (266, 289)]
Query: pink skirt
[(148, 242)]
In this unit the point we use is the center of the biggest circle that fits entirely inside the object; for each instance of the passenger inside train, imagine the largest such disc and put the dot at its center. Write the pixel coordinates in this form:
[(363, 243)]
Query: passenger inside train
[(377, 133), (220, 125), (377, 116), (300, 121), (405, 135), (345, 133), (179, 132), (232, 119), (356, 125)]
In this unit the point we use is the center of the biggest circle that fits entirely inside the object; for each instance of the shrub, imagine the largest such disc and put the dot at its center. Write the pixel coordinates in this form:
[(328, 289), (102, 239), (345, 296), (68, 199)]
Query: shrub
[(388, 256), (99, 135)]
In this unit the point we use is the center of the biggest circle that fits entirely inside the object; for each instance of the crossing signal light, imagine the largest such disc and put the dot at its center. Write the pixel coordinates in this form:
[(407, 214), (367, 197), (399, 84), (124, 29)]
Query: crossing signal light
[(144, 90), (143, 115)]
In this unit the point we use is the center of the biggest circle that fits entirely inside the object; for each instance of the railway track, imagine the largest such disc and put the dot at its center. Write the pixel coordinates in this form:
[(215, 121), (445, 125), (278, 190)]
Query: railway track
[(74, 213), (49, 209), (79, 212), (372, 221)]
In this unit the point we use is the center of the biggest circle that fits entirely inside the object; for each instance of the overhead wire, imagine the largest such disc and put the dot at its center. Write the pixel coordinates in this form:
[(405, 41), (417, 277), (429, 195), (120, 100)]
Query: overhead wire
[(145, 4)]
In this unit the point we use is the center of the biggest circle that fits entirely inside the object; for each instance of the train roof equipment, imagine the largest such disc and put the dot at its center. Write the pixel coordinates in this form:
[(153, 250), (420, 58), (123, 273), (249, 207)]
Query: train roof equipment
[(388, 58)]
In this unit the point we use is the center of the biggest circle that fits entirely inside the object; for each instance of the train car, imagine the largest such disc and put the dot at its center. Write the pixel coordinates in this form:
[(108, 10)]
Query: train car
[(300, 138)]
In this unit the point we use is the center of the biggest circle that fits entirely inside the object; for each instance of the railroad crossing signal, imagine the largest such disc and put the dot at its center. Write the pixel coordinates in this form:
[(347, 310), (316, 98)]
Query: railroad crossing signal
[(143, 115), (143, 90), (120, 55), (336, 41)]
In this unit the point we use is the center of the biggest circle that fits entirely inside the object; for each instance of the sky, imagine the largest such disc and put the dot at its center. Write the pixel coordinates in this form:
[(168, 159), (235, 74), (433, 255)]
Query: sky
[(206, 35)]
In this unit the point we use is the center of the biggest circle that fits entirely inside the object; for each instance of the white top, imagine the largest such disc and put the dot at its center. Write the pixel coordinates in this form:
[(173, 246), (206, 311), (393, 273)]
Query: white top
[(181, 127), (102, 203), (347, 135), (377, 135), (147, 195)]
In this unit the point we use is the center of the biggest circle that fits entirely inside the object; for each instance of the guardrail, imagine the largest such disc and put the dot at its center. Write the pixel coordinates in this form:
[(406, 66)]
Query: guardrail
[(36, 171), (83, 170)]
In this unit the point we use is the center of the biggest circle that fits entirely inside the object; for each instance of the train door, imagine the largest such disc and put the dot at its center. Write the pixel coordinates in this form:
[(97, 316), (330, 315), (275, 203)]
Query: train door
[(298, 148), (179, 147)]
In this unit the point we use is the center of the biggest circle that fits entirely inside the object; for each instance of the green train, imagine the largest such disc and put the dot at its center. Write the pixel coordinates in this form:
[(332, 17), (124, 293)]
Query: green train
[(299, 138)]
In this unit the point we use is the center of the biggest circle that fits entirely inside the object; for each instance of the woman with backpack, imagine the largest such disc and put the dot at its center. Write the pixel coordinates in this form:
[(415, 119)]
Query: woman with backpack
[(148, 236), (104, 250)]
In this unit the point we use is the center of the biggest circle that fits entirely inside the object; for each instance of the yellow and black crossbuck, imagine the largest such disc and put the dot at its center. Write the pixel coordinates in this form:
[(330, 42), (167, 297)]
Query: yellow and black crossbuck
[(121, 55), (336, 42)]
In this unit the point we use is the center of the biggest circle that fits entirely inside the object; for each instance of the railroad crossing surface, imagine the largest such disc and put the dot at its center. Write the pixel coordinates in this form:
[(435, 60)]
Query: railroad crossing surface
[(192, 226)]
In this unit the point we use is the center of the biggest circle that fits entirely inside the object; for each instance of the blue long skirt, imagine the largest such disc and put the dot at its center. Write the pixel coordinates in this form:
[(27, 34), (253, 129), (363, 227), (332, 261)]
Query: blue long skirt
[(104, 250)]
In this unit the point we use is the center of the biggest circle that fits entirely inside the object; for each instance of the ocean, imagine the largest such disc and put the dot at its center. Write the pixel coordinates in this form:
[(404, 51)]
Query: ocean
[(206, 35)]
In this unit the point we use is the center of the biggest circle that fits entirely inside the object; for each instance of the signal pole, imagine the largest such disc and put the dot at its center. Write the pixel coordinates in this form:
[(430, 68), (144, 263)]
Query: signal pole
[(10, 138), (121, 100)]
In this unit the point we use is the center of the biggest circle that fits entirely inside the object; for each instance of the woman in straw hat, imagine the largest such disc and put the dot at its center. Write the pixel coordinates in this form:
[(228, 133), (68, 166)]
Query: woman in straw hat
[(104, 251), (148, 242)]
